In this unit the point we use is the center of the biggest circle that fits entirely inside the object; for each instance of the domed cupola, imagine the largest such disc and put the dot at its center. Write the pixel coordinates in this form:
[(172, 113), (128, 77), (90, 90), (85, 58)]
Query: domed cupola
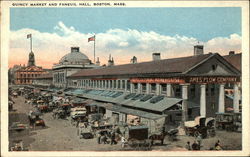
[(75, 57)]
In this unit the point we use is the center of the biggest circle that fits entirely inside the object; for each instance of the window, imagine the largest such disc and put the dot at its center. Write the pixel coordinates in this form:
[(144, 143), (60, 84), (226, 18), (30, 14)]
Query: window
[(177, 91), (192, 90), (164, 87), (214, 67), (143, 86), (128, 85), (212, 91), (136, 85), (153, 87)]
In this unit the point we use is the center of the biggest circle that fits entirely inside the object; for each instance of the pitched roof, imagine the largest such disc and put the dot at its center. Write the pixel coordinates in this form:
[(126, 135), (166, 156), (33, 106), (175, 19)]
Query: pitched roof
[(175, 65), (47, 75), (234, 59), (31, 68)]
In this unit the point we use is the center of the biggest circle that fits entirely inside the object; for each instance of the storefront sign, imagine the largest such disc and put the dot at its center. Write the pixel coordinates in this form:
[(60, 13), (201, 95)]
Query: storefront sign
[(212, 79), (192, 80), (157, 80)]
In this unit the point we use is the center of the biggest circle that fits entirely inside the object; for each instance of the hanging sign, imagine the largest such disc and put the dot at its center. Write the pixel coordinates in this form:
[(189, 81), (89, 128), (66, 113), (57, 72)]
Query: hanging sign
[(157, 80), (212, 79)]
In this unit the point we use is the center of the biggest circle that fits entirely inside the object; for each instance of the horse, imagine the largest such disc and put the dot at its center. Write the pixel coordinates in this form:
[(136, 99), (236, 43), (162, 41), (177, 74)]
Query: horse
[(159, 137)]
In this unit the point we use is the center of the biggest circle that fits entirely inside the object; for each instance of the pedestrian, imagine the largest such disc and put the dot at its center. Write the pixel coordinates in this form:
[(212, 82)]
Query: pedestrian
[(104, 139), (199, 139), (77, 121), (99, 138), (218, 145), (113, 138), (123, 141), (188, 146)]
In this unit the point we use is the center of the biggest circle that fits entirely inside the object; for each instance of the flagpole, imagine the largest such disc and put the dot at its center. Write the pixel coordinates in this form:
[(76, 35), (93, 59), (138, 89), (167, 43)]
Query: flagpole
[(31, 43), (94, 49)]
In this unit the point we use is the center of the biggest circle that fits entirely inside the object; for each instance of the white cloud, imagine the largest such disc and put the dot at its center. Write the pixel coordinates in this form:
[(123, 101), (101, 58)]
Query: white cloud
[(121, 44)]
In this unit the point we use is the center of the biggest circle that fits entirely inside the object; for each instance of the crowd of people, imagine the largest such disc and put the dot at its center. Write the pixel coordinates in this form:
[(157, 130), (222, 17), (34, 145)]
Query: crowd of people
[(197, 145)]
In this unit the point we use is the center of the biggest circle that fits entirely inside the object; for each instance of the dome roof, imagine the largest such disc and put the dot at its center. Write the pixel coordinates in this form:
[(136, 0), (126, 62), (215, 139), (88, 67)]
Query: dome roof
[(75, 57)]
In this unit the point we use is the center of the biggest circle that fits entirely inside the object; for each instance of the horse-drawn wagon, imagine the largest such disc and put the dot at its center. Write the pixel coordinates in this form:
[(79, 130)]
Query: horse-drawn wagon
[(200, 126), (137, 137), (228, 121)]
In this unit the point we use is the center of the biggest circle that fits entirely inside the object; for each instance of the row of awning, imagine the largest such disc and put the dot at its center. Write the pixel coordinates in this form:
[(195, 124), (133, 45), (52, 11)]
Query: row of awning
[(121, 103), (125, 110), (160, 106)]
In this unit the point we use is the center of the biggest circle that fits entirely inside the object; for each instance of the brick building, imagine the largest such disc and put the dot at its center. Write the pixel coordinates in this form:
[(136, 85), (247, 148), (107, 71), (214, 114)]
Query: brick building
[(26, 74)]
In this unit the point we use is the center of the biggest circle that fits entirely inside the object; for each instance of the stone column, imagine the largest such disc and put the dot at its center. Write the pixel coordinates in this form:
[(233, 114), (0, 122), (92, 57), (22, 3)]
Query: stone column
[(169, 90), (121, 84), (203, 100), (222, 98), (132, 87), (236, 98), (116, 84), (148, 88), (184, 102), (85, 83), (139, 86), (113, 83), (158, 89), (126, 83)]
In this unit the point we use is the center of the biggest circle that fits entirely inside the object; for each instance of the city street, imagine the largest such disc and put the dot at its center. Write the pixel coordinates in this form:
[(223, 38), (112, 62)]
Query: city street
[(60, 135)]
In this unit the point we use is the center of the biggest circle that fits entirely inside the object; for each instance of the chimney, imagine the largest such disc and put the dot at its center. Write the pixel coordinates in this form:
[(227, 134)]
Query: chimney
[(156, 56), (198, 50), (231, 52), (75, 49), (98, 62)]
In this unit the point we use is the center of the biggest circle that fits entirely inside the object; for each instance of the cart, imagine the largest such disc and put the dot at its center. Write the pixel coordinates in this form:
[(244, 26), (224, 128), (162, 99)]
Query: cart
[(228, 121), (137, 137), (200, 126)]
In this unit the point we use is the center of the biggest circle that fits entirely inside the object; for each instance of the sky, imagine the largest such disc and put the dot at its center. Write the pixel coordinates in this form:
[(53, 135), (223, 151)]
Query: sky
[(122, 32)]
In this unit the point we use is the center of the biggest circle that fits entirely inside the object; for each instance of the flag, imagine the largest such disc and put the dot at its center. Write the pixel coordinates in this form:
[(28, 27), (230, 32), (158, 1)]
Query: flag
[(28, 36), (91, 38)]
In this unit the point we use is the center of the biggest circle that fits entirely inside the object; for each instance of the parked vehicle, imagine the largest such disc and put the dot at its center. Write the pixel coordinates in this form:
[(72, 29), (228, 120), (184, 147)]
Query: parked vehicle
[(228, 121), (35, 119), (78, 111), (59, 113), (85, 132), (137, 137), (17, 126), (201, 125)]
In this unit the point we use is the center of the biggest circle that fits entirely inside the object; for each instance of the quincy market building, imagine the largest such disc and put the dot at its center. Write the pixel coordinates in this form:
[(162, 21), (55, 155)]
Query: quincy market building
[(174, 90)]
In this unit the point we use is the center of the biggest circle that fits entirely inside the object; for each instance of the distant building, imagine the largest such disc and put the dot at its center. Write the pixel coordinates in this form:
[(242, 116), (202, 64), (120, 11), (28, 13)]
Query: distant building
[(26, 75), (12, 71), (69, 64)]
